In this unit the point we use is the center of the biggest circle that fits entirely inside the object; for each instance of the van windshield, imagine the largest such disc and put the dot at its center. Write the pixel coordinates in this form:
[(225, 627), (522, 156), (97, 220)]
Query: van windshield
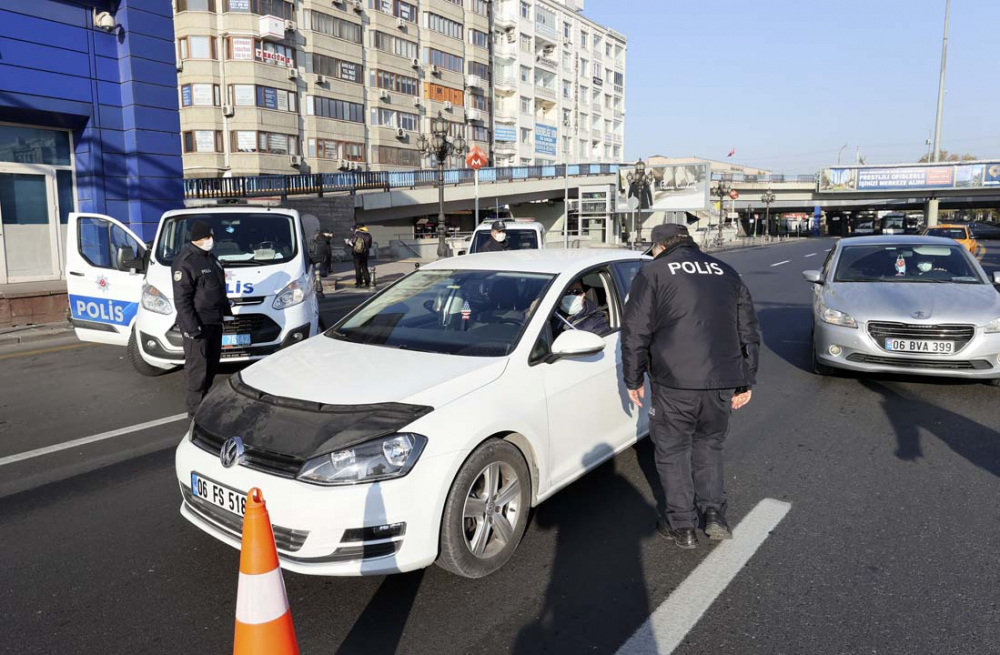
[(250, 239), (518, 239)]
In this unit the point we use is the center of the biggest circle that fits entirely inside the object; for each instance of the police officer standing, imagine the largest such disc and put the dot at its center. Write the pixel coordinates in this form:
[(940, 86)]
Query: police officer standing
[(498, 238), (690, 324), (200, 296)]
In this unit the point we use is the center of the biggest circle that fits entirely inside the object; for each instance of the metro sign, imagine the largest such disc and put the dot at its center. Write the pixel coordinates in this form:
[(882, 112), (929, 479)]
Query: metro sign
[(476, 158)]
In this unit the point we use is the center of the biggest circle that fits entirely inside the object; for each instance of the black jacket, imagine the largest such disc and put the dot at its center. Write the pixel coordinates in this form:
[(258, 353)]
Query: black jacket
[(366, 239), (495, 246), (591, 319), (690, 323), (199, 289)]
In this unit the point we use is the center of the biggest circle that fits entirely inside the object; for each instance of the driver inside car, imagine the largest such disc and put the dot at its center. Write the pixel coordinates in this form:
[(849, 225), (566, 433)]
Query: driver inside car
[(577, 312)]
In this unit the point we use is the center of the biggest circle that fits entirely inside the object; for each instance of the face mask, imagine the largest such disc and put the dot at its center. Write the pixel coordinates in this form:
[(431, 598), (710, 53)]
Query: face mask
[(571, 305), (501, 237), (207, 245), (925, 267)]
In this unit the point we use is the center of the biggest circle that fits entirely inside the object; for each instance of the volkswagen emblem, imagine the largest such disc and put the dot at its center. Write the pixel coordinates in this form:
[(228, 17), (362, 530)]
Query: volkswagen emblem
[(919, 315), (232, 452)]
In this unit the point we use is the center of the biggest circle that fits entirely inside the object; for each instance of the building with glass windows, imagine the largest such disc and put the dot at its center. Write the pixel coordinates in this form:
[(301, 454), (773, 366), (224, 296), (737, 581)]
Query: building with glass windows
[(88, 122)]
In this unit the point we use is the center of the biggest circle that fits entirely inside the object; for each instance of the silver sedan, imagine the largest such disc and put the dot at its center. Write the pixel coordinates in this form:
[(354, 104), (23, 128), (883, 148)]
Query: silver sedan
[(902, 304)]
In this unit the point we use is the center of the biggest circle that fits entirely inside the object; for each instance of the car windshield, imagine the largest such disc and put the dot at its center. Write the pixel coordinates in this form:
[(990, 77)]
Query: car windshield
[(907, 263), (250, 239), (518, 240), (468, 313), (946, 232)]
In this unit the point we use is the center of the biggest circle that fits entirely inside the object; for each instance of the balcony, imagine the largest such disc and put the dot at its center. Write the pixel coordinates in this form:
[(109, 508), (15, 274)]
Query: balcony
[(475, 115), (619, 114), (505, 115), (505, 85), (505, 20), (505, 148), (545, 93), (595, 135), (474, 82), (618, 139), (607, 139), (547, 33), (596, 107)]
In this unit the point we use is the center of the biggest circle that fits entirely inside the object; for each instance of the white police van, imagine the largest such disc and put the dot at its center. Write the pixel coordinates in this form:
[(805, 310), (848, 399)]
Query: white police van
[(120, 290), (522, 234)]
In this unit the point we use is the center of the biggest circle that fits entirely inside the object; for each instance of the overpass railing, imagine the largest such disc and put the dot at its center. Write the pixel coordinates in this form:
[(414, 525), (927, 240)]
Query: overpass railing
[(763, 179), (260, 186)]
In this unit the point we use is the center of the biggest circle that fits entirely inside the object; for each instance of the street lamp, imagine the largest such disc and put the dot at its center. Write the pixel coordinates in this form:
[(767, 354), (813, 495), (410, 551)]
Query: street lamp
[(767, 198), (722, 190), (639, 179), (440, 146)]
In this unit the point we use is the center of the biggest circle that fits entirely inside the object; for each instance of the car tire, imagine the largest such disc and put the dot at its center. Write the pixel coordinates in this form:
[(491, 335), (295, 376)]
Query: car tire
[(474, 543), (819, 368), (140, 364)]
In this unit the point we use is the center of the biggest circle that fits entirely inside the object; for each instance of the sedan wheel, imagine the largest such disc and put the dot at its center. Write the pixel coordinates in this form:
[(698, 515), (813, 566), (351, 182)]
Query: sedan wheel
[(486, 512)]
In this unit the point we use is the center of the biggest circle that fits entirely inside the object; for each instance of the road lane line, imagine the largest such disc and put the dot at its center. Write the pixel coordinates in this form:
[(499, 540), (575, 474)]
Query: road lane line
[(812, 255), (43, 351), (828, 250), (781, 263), (48, 450), (667, 626)]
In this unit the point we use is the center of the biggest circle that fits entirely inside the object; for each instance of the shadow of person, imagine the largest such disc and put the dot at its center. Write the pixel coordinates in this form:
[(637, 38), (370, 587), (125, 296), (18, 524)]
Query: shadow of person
[(596, 595), (786, 330), (379, 628), (975, 442)]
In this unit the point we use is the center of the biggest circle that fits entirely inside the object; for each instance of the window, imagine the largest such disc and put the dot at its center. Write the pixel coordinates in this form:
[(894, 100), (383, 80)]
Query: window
[(196, 5), (395, 82), (335, 68), (525, 135), (244, 141), (479, 39), (340, 110), (262, 7), (526, 43), (481, 103), (397, 8), (525, 74), (625, 273), (197, 47), (443, 25), (243, 95), (545, 20), (608, 49), (597, 69), (333, 26), (567, 117), (277, 99), (274, 54), (565, 145), (584, 36), (392, 156), (392, 118), (199, 141), (597, 45), (480, 134), (607, 102), (567, 30), (525, 10), (479, 69), (527, 106), (444, 94), (273, 143), (200, 95), (481, 7), (567, 89), (443, 60), (329, 149), (584, 65), (394, 45), (99, 241)]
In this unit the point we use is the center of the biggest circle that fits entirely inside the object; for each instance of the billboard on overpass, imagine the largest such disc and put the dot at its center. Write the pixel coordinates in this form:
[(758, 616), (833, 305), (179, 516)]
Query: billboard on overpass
[(915, 177), (684, 187)]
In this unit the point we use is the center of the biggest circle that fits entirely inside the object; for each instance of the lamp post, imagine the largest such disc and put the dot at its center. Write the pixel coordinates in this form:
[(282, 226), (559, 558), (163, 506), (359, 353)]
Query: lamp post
[(722, 190), (439, 146), (638, 179), (767, 198)]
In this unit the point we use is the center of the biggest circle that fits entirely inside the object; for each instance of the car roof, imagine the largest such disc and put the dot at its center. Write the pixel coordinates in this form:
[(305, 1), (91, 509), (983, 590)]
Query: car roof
[(509, 224), (897, 240), (536, 261), (950, 226), (232, 209)]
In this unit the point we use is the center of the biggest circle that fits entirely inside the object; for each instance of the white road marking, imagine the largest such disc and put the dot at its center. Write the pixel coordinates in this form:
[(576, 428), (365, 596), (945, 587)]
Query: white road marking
[(811, 255), (48, 450), (828, 250), (781, 263), (667, 626)]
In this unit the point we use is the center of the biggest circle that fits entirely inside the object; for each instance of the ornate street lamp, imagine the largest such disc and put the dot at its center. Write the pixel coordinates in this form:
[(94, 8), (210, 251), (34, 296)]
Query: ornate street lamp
[(722, 191), (767, 198), (639, 181), (440, 146)]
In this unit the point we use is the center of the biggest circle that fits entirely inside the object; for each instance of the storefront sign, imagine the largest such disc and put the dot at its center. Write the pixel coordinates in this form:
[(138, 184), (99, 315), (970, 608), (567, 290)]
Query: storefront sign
[(242, 48), (546, 138)]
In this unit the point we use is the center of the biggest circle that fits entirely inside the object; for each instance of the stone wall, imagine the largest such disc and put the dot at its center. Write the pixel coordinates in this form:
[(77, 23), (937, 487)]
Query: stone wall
[(34, 308), (335, 214)]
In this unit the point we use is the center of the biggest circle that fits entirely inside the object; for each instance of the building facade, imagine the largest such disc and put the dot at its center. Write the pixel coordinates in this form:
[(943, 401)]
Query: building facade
[(88, 122), (283, 87)]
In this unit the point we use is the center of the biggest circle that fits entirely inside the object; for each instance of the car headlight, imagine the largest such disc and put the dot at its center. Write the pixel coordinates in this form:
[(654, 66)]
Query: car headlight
[(154, 300), (993, 327), (834, 317), (372, 461), (293, 294)]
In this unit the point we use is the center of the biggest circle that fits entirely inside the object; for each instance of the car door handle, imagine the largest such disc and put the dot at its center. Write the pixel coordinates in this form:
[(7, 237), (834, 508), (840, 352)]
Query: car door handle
[(76, 274)]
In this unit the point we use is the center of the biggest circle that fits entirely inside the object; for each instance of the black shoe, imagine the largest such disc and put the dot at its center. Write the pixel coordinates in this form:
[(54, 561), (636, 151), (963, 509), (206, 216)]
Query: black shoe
[(716, 527), (683, 537)]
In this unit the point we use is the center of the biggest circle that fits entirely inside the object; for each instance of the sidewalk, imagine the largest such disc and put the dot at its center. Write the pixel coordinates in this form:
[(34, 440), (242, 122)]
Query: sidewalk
[(341, 278)]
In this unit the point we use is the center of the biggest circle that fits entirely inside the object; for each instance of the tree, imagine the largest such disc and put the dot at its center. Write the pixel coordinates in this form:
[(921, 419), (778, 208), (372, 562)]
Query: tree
[(949, 156)]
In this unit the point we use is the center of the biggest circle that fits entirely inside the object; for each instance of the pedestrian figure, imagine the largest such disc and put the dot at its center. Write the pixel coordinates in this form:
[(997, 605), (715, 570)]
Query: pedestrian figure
[(360, 244)]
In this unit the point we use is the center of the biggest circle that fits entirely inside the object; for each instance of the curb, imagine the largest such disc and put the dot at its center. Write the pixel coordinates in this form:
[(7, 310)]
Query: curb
[(34, 333)]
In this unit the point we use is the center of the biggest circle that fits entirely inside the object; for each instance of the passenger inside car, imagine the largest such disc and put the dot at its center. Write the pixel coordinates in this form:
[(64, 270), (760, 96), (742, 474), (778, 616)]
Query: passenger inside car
[(581, 309)]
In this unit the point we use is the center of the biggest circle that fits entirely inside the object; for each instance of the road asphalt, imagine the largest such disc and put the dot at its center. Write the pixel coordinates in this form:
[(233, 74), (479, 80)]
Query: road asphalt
[(890, 544)]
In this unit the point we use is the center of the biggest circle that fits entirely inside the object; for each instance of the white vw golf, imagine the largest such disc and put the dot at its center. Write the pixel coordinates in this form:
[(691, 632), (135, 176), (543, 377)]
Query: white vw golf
[(424, 425)]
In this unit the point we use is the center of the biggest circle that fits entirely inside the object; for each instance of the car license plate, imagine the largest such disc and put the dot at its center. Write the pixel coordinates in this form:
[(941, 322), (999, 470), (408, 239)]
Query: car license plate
[(217, 494), (235, 340), (913, 346)]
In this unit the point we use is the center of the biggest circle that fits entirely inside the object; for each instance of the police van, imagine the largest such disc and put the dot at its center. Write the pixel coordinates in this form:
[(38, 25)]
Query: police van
[(522, 234), (120, 289)]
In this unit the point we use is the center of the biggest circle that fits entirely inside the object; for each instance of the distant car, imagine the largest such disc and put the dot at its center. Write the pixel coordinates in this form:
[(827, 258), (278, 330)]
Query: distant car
[(983, 231), (521, 235), (905, 304), (956, 231)]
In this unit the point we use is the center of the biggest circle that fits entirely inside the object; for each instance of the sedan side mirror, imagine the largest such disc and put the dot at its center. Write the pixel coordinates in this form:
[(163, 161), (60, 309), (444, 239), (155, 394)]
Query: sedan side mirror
[(816, 277), (577, 343)]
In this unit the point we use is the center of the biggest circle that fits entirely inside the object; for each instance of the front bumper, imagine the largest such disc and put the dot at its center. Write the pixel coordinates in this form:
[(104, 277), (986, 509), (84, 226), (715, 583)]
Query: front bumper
[(311, 522), (978, 360)]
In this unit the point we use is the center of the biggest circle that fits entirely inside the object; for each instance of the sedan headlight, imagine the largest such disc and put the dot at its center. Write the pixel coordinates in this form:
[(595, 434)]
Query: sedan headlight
[(993, 327), (834, 317), (382, 459), (154, 301), (295, 293)]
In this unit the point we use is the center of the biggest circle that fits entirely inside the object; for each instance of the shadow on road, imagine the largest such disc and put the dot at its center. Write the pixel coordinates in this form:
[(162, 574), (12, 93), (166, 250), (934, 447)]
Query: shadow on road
[(786, 329)]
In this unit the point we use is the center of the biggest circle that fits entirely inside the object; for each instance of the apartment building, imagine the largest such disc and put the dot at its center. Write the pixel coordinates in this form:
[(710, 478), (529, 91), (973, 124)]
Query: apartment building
[(279, 87), (559, 81)]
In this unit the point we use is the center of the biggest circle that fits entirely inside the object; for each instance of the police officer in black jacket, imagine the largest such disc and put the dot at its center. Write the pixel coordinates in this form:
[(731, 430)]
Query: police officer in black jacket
[(200, 297), (498, 238), (690, 324)]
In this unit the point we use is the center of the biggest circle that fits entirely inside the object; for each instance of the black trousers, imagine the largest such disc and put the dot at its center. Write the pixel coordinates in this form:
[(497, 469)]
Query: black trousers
[(201, 362), (361, 275), (688, 429)]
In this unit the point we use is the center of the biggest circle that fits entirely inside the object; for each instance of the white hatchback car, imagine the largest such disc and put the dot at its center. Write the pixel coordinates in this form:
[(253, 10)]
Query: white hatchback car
[(423, 426)]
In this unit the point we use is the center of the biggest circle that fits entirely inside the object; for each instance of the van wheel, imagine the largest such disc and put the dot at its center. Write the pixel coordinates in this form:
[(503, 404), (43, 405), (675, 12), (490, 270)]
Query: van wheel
[(138, 363), (486, 512)]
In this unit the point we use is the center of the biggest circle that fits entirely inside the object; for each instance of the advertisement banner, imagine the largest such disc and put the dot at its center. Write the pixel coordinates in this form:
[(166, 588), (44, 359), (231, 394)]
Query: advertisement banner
[(992, 176), (916, 177), (505, 133), (242, 47), (545, 139), (680, 188), (203, 94), (270, 98), (186, 95), (244, 94)]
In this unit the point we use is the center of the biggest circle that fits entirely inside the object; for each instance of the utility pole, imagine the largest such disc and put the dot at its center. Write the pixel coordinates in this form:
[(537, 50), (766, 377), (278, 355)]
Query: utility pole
[(932, 203)]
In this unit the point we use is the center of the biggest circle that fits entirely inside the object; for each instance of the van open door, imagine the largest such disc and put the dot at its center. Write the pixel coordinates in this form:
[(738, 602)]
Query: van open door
[(105, 264)]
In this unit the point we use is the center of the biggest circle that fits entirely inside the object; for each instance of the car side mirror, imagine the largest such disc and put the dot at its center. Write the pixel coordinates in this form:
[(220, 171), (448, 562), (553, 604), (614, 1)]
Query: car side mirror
[(816, 277), (577, 343), (125, 260)]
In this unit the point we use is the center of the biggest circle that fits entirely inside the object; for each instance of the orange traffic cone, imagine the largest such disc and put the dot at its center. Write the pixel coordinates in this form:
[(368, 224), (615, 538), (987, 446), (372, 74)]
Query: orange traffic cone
[(263, 620)]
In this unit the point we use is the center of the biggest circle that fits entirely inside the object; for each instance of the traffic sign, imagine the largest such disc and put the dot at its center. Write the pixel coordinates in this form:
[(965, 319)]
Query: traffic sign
[(734, 194), (476, 158)]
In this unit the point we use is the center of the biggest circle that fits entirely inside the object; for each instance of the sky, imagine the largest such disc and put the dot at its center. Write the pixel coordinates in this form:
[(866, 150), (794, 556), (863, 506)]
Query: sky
[(787, 83)]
